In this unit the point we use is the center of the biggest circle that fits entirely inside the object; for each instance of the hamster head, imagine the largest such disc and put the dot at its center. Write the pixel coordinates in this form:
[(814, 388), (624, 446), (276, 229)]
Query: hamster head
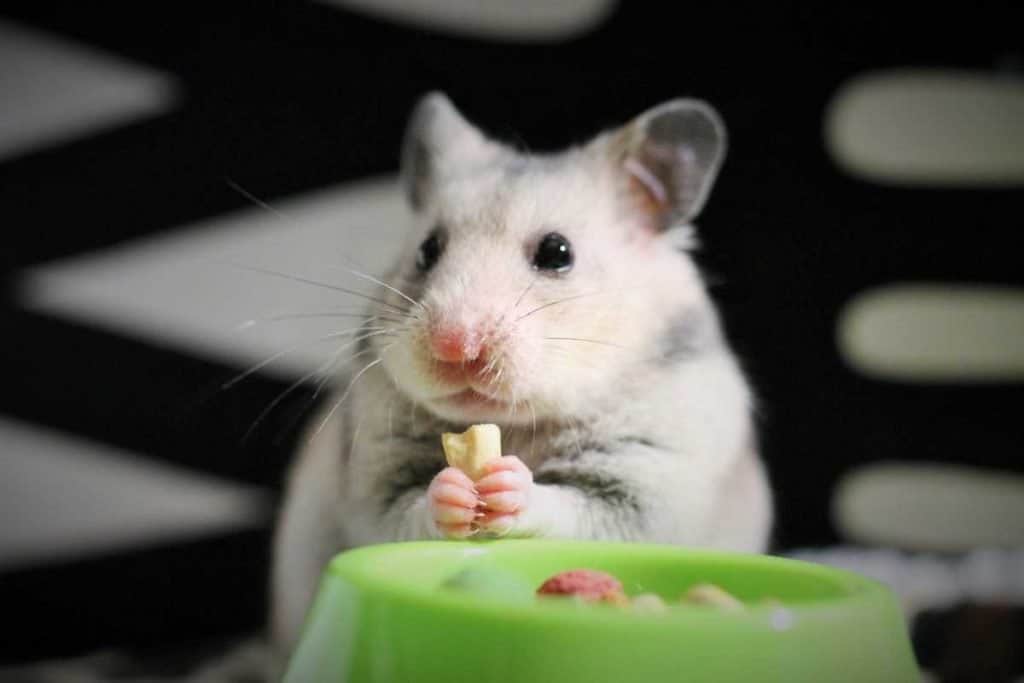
[(538, 286)]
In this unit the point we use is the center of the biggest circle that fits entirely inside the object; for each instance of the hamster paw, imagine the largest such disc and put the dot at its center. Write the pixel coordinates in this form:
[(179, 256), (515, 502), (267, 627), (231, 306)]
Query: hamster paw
[(453, 503), (505, 489)]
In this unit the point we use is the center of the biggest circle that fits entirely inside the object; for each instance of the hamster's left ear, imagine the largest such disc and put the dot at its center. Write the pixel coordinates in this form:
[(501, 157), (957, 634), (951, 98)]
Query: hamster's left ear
[(670, 156)]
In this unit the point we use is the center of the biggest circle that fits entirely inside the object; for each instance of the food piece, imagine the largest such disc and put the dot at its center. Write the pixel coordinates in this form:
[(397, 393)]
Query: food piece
[(588, 585), (472, 449), (648, 602), (492, 582), (713, 596)]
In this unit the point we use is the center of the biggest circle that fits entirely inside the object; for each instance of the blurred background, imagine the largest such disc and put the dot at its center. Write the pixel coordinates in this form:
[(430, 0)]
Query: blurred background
[(861, 242)]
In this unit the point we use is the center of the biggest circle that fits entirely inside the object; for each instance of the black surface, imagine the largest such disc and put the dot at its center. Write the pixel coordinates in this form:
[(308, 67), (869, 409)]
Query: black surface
[(141, 600), (972, 642)]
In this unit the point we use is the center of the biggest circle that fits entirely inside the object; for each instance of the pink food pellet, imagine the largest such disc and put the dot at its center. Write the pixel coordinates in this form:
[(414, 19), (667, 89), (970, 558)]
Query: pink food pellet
[(589, 585)]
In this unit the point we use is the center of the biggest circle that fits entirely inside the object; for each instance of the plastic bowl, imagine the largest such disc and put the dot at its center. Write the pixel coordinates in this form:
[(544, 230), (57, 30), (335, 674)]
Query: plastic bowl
[(382, 616)]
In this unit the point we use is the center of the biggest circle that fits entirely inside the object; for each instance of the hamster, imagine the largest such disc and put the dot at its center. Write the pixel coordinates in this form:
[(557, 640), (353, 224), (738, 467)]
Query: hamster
[(554, 295)]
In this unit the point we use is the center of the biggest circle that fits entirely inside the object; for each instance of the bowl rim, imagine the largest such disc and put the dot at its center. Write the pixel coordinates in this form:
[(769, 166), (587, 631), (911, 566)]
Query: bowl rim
[(857, 590)]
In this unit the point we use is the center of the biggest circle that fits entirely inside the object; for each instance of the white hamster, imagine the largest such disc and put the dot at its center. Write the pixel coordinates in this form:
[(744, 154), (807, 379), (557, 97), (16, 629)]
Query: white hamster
[(555, 296)]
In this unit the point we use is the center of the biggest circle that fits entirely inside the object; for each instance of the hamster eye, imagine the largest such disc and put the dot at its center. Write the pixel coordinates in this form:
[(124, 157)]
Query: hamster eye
[(553, 253), (429, 252)]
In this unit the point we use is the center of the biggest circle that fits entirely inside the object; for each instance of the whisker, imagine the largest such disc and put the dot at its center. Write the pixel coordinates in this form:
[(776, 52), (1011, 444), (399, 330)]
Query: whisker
[(317, 314), (280, 214), (523, 295), (355, 432), (584, 361), (589, 341), (489, 367), (412, 416), (533, 435), (391, 424), (554, 303), (382, 284), (267, 361), (256, 200), (281, 396), (324, 368), (574, 425), (334, 360), (315, 283), (348, 389), (579, 296), (330, 314)]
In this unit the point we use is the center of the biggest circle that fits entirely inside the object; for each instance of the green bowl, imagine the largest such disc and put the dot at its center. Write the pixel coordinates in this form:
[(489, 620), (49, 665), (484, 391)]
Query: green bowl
[(382, 616)]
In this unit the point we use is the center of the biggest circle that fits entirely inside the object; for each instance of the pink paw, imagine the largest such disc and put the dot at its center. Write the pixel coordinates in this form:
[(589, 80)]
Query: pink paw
[(461, 508), (453, 503), (504, 493)]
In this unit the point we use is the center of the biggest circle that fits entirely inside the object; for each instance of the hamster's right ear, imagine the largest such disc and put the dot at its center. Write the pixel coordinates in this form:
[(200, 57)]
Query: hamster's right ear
[(437, 139)]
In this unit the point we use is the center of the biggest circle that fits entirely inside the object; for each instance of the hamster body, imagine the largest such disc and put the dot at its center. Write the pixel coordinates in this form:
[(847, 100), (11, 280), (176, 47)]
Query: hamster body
[(555, 296)]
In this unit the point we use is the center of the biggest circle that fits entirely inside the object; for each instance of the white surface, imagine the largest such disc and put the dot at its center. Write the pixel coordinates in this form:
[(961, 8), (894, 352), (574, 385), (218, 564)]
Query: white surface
[(932, 581), (184, 290), (525, 20), (931, 507), (935, 333), (930, 127), (63, 497), (53, 90)]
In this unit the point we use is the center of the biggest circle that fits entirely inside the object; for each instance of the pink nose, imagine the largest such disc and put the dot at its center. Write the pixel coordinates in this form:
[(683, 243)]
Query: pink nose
[(455, 345)]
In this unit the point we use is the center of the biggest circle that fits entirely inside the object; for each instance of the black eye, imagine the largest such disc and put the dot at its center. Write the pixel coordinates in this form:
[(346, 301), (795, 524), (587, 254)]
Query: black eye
[(553, 253), (429, 252)]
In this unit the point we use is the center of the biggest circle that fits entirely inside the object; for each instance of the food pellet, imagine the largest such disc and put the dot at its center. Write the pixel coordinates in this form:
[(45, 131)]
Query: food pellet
[(712, 595), (648, 602), (491, 582), (588, 585), (473, 448)]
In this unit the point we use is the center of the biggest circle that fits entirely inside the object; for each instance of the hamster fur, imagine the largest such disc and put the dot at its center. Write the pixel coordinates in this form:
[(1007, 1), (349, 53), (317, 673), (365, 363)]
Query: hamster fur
[(611, 379)]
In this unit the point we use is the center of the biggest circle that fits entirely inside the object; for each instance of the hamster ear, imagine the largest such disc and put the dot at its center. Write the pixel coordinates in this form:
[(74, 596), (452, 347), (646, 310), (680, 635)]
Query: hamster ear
[(670, 156), (438, 138)]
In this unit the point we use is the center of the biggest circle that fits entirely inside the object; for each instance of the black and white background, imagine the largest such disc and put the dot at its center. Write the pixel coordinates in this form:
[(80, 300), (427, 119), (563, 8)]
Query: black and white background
[(137, 494)]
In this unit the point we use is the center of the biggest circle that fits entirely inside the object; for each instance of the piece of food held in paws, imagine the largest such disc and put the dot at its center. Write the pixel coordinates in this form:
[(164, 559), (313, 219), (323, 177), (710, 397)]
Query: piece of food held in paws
[(471, 450)]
